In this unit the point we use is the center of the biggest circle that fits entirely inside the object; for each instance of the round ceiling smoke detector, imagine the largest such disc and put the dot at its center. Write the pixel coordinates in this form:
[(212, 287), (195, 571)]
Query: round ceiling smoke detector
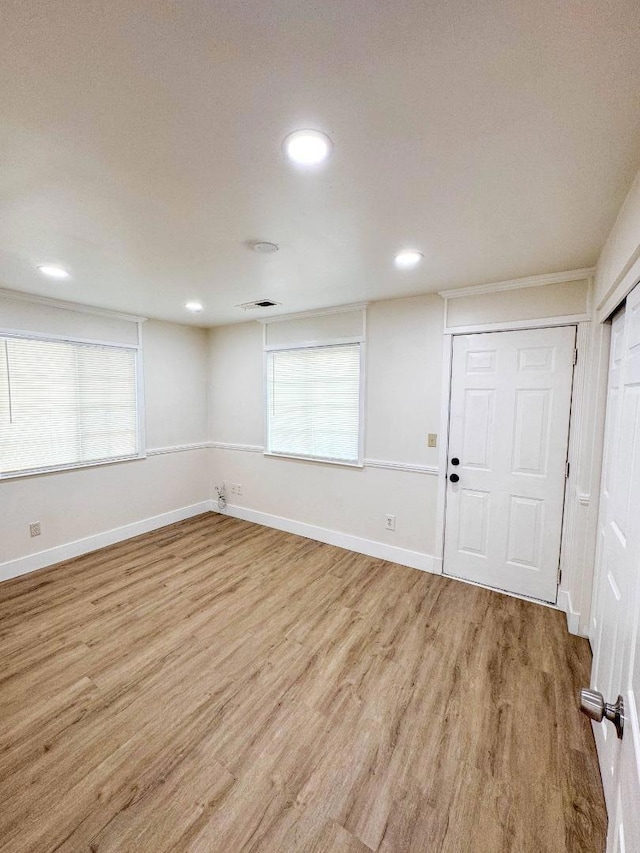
[(264, 248)]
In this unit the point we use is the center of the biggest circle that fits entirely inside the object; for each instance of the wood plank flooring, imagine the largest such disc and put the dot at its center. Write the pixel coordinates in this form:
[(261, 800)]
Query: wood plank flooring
[(220, 686)]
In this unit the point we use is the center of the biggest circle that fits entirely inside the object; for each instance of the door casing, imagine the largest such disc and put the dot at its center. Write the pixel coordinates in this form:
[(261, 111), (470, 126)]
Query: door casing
[(577, 511)]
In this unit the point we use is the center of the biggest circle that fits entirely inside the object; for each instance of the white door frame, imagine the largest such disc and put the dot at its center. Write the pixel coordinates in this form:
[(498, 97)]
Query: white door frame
[(585, 453)]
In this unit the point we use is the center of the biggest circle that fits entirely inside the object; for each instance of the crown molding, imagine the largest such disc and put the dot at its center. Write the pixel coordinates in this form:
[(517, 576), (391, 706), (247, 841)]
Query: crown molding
[(518, 283), (61, 304)]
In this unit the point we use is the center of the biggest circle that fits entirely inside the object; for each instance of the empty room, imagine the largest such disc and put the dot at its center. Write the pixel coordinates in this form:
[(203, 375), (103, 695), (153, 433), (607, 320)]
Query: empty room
[(319, 426)]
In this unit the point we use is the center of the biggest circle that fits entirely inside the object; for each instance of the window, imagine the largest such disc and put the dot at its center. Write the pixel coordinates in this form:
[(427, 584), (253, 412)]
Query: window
[(64, 404), (313, 402)]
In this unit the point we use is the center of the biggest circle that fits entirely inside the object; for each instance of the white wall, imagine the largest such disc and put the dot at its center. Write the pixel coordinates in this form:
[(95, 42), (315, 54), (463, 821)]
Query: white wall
[(617, 272), (176, 384), (403, 373), (525, 303), (404, 377), (208, 386), (619, 263), (81, 503)]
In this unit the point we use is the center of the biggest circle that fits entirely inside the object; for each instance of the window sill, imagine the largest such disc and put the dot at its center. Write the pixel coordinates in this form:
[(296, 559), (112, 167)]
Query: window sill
[(59, 469), (342, 464)]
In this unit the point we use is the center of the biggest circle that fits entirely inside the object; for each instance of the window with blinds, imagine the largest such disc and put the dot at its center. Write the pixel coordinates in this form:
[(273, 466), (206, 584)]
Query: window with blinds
[(313, 402), (64, 404)]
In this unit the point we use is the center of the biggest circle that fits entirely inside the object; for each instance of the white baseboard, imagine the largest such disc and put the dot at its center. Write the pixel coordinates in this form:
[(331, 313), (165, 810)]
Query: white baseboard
[(573, 617), (32, 562), (392, 553)]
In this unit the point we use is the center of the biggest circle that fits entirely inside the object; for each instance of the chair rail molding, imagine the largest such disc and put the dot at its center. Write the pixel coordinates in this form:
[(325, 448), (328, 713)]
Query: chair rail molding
[(409, 467)]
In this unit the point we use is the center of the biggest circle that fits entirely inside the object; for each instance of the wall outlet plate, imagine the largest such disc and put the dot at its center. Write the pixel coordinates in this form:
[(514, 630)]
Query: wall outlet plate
[(432, 439), (390, 522), (34, 529)]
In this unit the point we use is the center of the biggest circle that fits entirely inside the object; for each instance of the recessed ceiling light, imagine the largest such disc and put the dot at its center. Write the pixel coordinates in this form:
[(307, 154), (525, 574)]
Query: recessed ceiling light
[(265, 248), (193, 306), (408, 258), (52, 271), (308, 147)]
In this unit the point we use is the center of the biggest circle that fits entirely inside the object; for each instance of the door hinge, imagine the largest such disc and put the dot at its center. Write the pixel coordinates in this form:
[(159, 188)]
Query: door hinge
[(559, 576), (575, 356), (567, 471)]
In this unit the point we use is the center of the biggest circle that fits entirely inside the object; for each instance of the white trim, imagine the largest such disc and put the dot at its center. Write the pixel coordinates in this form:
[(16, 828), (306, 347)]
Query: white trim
[(578, 427), (573, 617), (33, 562), (518, 325), (391, 553), (518, 283), (178, 448), (245, 448), (443, 455), (139, 390), (345, 463), (73, 466), (333, 342), (320, 312), (402, 466), (71, 339), (622, 285), (592, 458), (409, 467), (573, 510), (20, 296), (140, 403), (362, 391), (361, 343)]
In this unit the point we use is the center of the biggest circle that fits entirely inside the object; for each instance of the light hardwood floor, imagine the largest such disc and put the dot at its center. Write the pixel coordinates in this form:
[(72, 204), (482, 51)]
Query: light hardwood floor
[(220, 686)]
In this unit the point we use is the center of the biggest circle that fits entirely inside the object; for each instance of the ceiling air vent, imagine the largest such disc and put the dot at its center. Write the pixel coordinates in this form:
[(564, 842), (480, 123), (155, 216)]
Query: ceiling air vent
[(259, 303)]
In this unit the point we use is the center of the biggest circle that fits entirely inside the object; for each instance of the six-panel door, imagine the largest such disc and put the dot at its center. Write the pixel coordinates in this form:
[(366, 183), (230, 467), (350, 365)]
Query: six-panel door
[(509, 427), (615, 630)]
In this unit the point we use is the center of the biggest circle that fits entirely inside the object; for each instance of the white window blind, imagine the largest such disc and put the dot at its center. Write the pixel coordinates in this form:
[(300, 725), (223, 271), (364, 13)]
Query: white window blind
[(64, 404), (313, 402)]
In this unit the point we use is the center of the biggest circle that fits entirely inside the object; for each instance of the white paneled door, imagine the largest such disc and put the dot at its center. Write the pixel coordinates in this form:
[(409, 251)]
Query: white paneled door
[(508, 438), (616, 603)]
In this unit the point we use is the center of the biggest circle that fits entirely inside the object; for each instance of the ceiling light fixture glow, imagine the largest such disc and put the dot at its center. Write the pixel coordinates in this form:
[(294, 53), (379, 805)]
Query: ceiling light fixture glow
[(193, 306), (52, 271), (408, 258), (308, 147)]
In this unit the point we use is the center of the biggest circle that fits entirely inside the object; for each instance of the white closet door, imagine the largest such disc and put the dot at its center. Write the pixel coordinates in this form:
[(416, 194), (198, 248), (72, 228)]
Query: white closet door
[(508, 439), (616, 605)]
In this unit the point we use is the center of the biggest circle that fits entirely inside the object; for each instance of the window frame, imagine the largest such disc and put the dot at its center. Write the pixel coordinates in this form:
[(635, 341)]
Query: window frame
[(139, 392), (319, 344)]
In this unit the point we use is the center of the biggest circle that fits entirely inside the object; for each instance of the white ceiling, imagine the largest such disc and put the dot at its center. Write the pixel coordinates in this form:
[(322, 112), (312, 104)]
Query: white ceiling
[(140, 146)]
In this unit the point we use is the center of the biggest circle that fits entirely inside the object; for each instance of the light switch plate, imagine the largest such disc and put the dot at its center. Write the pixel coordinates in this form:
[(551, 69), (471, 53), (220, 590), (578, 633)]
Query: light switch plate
[(432, 439)]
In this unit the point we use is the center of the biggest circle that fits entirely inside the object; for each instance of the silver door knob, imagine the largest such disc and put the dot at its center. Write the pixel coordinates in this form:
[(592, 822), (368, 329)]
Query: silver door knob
[(593, 705)]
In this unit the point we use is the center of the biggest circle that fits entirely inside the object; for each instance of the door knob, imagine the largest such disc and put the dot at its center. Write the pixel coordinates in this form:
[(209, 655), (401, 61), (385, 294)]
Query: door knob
[(455, 461), (454, 478), (593, 705)]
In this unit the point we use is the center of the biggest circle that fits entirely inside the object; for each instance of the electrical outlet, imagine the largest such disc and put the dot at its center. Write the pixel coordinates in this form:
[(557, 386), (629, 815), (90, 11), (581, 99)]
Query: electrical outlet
[(432, 439), (390, 522), (34, 529), (238, 488)]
